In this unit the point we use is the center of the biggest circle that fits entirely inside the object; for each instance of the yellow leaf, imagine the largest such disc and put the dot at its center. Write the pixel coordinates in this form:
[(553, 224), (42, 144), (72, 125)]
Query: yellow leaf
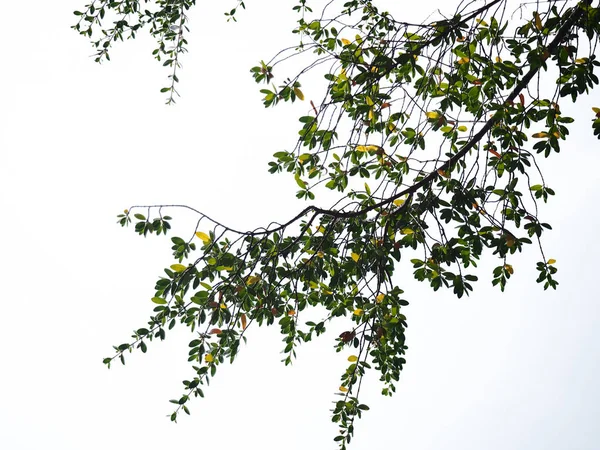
[(178, 267), (126, 211), (596, 110), (399, 202), (223, 306), (463, 60), (343, 389), (320, 254), (352, 358), (369, 101), (208, 358), (540, 135), (380, 298), (244, 321), (321, 228), (203, 236), (498, 59), (551, 261), (432, 114), (299, 93), (462, 128), (359, 312), (371, 114), (392, 127), (538, 20), (252, 280), (345, 41), (406, 231), (481, 22), (509, 268), (581, 60), (355, 257), (556, 134)]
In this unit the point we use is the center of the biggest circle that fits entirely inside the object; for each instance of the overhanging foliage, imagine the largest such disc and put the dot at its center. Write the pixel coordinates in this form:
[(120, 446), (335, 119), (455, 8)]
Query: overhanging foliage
[(429, 133)]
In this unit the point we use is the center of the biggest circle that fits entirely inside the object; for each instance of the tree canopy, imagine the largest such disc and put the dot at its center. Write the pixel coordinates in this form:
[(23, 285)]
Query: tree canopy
[(430, 136)]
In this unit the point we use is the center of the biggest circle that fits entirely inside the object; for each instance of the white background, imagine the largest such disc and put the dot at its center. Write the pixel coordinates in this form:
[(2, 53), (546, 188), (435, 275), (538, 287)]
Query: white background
[(79, 142)]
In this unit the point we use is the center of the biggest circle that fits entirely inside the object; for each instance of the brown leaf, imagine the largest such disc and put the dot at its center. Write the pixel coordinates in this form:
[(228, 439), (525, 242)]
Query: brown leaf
[(347, 336)]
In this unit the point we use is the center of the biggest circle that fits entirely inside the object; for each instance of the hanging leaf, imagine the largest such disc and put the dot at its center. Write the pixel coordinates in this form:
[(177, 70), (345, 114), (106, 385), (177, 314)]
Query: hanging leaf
[(343, 389), (244, 321), (347, 336), (538, 21), (355, 256), (252, 279), (299, 93), (203, 237), (178, 267), (551, 261), (510, 239), (494, 152), (367, 148), (299, 182), (380, 298), (159, 300), (352, 358)]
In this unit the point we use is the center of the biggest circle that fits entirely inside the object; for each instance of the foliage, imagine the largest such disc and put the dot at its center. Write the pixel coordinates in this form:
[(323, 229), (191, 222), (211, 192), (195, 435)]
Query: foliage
[(429, 133)]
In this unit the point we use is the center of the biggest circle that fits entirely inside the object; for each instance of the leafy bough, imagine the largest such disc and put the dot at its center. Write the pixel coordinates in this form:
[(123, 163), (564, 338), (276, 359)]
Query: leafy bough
[(436, 117)]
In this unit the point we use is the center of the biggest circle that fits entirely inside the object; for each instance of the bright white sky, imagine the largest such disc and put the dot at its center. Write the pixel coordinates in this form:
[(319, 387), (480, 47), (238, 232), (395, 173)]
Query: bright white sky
[(80, 142)]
